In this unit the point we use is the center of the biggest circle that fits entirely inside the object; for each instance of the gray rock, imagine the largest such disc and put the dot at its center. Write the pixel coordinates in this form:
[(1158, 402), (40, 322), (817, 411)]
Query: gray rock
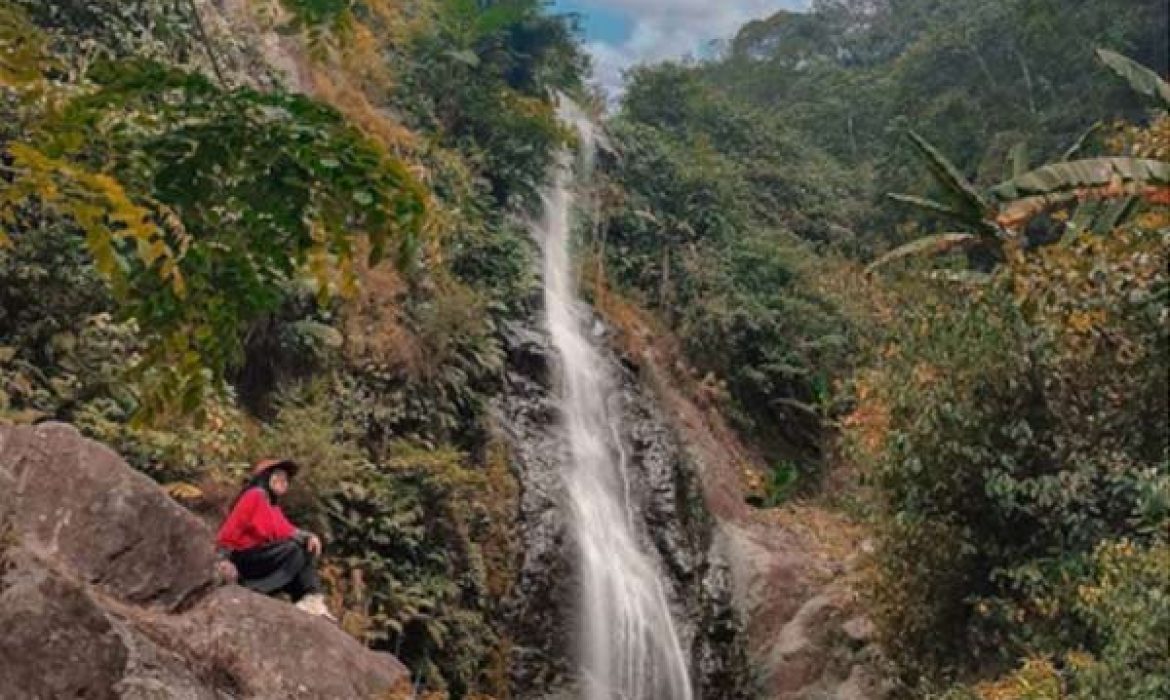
[(667, 496), (106, 591), (861, 684), (55, 642), (77, 504), (860, 629)]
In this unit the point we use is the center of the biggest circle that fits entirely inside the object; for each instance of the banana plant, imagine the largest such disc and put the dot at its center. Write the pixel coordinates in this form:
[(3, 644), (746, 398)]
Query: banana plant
[(961, 202), (1097, 183), (1107, 189)]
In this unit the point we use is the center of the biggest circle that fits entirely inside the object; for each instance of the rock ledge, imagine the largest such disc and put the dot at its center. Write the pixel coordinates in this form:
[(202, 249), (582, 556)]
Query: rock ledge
[(107, 592)]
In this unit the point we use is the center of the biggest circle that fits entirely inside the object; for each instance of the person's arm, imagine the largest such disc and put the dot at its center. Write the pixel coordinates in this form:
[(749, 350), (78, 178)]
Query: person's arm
[(309, 541), (277, 527)]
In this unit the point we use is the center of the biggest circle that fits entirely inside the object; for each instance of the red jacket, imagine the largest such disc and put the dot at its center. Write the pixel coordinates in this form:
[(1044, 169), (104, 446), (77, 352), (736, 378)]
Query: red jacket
[(254, 521)]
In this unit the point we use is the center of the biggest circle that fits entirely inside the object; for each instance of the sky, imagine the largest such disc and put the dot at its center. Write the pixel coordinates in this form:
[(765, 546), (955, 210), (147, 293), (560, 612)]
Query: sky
[(622, 33)]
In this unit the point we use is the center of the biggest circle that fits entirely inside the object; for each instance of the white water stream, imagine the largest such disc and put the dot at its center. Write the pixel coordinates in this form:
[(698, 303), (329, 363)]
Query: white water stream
[(628, 646)]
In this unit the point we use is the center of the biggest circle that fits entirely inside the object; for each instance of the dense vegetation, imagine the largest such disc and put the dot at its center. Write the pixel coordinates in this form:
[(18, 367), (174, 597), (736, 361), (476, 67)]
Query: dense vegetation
[(201, 267), (1006, 405)]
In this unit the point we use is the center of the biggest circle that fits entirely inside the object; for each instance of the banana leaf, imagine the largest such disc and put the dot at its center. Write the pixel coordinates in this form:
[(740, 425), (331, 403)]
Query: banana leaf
[(1018, 159), (1113, 215), (1078, 145), (1140, 78), (927, 204), (937, 244), (1059, 178), (966, 196)]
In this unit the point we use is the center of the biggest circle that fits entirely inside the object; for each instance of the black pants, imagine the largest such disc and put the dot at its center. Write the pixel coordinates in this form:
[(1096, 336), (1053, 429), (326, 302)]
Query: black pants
[(304, 583), (279, 567)]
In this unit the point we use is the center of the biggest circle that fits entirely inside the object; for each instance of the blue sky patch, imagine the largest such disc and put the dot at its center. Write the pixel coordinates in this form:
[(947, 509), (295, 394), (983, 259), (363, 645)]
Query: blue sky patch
[(600, 24)]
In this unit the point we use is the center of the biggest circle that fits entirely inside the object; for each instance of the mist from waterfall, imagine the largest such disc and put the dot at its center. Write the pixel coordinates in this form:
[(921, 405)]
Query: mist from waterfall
[(628, 646)]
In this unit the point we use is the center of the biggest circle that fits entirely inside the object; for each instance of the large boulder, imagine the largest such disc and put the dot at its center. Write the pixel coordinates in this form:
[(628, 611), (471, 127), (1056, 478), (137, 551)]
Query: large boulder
[(106, 591), (291, 654), (55, 642), (75, 503)]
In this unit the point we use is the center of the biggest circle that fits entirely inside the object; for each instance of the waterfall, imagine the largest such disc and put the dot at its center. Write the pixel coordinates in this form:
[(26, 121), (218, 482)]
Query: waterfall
[(628, 646)]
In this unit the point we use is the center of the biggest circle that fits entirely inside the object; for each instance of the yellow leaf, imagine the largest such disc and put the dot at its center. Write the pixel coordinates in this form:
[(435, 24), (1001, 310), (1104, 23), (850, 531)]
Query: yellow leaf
[(182, 491)]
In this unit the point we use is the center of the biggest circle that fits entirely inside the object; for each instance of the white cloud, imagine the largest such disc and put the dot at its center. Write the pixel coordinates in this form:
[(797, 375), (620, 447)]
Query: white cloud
[(671, 29)]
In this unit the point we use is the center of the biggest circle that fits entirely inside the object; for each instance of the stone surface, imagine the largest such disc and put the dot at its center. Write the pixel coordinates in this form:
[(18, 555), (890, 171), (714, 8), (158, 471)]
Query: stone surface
[(77, 504), (667, 497), (55, 642), (106, 592), (861, 684), (860, 629), (791, 595), (291, 654)]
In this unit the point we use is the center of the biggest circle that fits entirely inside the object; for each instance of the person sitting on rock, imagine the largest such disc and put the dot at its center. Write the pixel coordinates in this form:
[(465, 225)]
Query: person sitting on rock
[(260, 547)]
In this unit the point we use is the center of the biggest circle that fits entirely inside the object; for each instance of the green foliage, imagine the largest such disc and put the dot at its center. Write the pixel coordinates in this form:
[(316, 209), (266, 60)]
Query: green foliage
[(965, 201), (977, 77), (1127, 605), (304, 429), (81, 30), (416, 531), (780, 484), (168, 232), (756, 323), (481, 76), (1140, 78), (703, 221), (1112, 187), (62, 349), (96, 202), (232, 234), (1019, 440), (320, 12)]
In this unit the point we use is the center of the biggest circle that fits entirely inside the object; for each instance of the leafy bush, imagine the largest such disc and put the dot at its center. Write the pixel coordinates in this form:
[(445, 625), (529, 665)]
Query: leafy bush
[(172, 247), (425, 534), (305, 430), (710, 220), (1027, 424), (1123, 598), (1127, 604), (480, 75), (141, 153)]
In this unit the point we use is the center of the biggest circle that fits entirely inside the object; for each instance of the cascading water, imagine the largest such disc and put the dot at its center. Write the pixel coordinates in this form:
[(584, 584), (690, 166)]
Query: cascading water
[(629, 648)]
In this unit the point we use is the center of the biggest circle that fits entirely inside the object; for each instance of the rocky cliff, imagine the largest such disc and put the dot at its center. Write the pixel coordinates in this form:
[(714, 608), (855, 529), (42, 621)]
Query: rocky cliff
[(790, 571), (107, 591), (669, 500)]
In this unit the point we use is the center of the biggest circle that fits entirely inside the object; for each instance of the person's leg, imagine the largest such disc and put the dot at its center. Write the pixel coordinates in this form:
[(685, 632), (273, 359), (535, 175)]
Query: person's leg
[(305, 582), (272, 569), (305, 591)]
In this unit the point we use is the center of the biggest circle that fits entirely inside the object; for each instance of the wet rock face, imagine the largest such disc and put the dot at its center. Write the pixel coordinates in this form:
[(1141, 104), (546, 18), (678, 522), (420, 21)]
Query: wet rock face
[(677, 529), (106, 591), (537, 609)]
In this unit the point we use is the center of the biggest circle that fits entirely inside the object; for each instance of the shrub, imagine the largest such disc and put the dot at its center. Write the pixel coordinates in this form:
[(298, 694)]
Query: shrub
[(1127, 604), (1027, 424)]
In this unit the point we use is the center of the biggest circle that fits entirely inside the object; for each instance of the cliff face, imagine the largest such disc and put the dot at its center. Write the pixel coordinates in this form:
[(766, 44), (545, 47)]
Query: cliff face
[(107, 591), (667, 496), (789, 573)]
